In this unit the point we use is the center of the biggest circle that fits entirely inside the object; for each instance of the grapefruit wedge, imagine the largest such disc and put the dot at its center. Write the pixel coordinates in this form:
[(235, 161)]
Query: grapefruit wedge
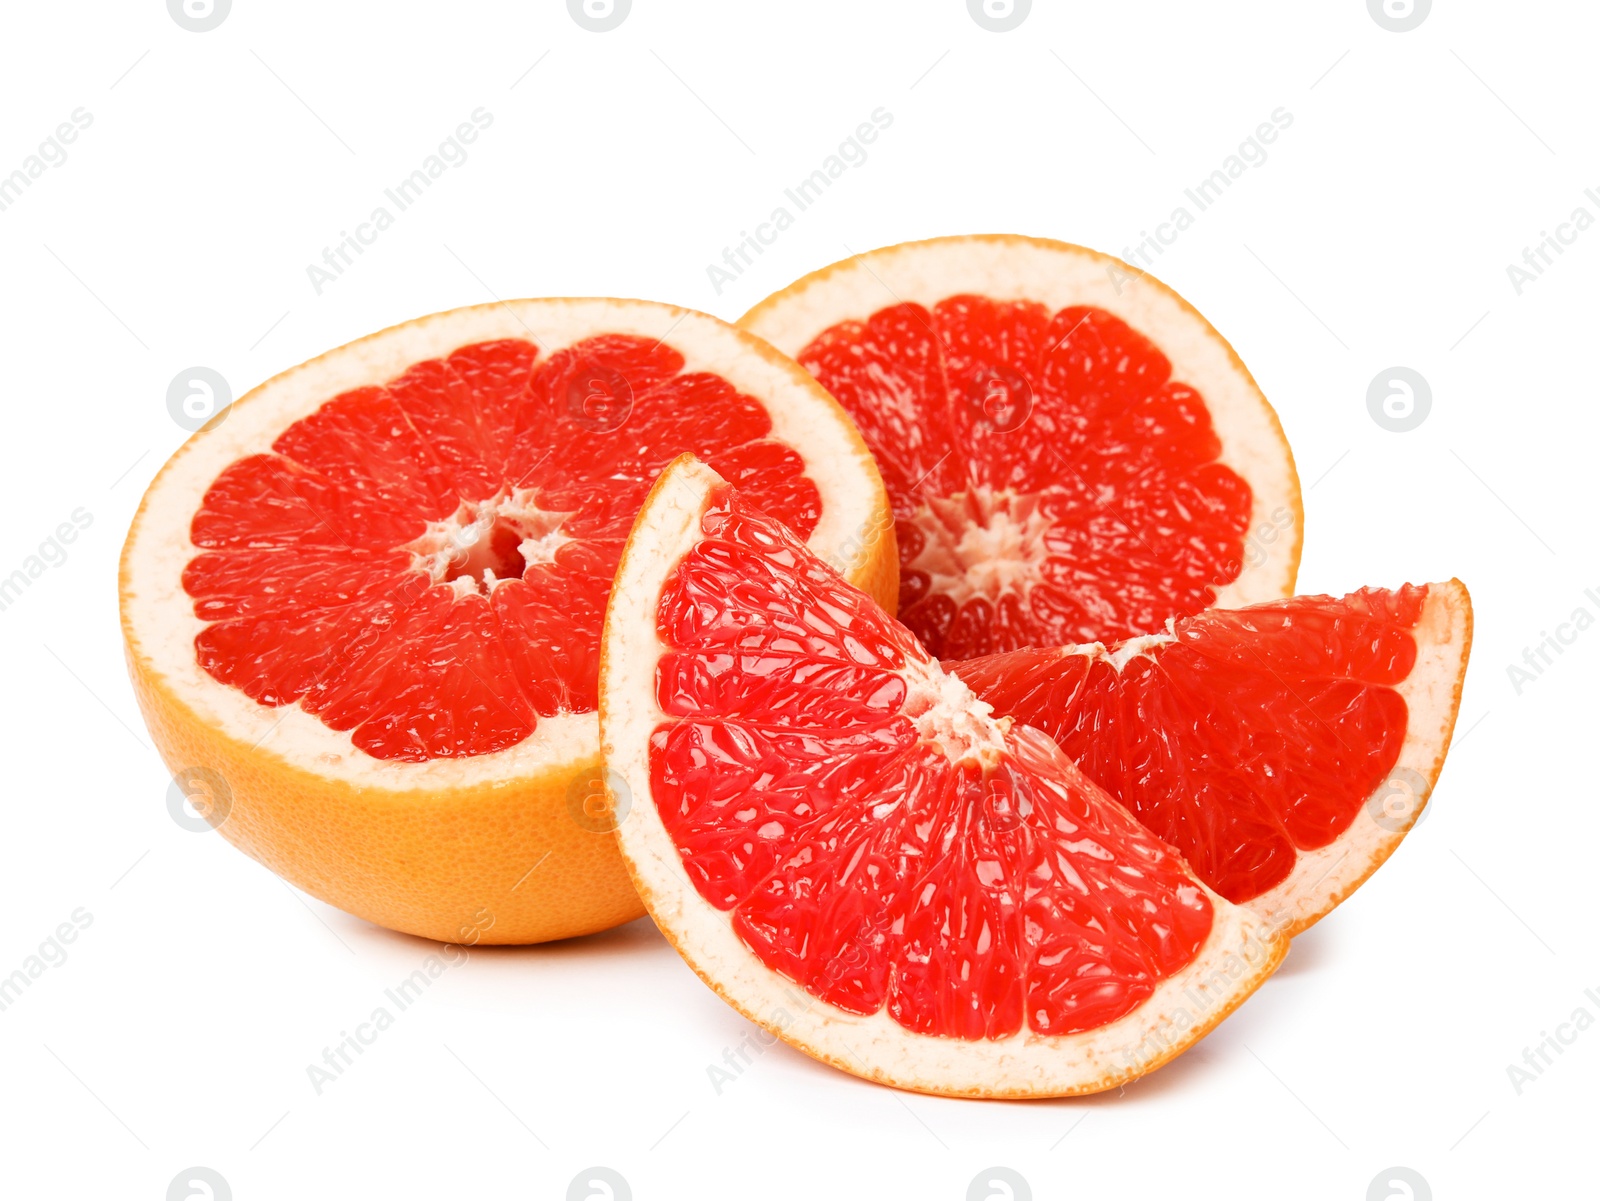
[(363, 606), (845, 844), (1284, 749), (1073, 453)]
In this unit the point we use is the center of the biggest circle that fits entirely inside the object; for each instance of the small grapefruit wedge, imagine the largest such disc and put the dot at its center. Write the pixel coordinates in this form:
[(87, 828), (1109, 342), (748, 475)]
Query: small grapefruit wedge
[(1284, 749), (842, 841), (1073, 453), (362, 607)]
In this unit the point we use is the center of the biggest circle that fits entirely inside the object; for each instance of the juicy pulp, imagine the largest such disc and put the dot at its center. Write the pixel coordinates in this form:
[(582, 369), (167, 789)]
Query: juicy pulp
[(426, 563)]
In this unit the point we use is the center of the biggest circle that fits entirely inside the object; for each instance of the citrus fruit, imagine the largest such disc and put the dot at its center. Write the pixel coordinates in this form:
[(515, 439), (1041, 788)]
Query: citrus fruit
[(1073, 453), (1284, 749), (363, 604), (844, 843)]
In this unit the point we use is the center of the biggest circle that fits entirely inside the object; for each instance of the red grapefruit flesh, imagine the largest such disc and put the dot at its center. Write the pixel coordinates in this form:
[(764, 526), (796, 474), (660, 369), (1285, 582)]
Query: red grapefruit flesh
[(1072, 452), (425, 563), (1284, 749), (368, 599), (840, 838)]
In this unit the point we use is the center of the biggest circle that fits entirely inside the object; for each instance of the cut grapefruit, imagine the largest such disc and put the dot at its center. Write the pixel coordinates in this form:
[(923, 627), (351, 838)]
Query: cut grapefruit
[(842, 841), (1073, 453), (368, 598), (1284, 749)]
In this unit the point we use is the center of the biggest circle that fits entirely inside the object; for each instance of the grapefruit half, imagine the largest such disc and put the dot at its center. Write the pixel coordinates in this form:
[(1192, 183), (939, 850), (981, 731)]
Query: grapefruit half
[(364, 604), (845, 844), (1284, 749), (1073, 453)]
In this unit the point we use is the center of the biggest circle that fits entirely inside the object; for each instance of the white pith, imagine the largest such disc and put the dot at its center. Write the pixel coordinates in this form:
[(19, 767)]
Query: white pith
[(1057, 275), (949, 716), (1240, 951), (1133, 648), (462, 538), (984, 544), (1323, 877), (160, 615)]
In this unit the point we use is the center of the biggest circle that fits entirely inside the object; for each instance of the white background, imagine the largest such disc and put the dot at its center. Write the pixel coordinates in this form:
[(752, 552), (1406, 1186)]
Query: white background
[(1378, 232)]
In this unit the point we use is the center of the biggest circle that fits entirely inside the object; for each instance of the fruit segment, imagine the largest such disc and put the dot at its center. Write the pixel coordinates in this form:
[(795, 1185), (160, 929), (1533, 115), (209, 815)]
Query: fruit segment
[(850, 847), (1247, 738), (875, 836), (426, 563)]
